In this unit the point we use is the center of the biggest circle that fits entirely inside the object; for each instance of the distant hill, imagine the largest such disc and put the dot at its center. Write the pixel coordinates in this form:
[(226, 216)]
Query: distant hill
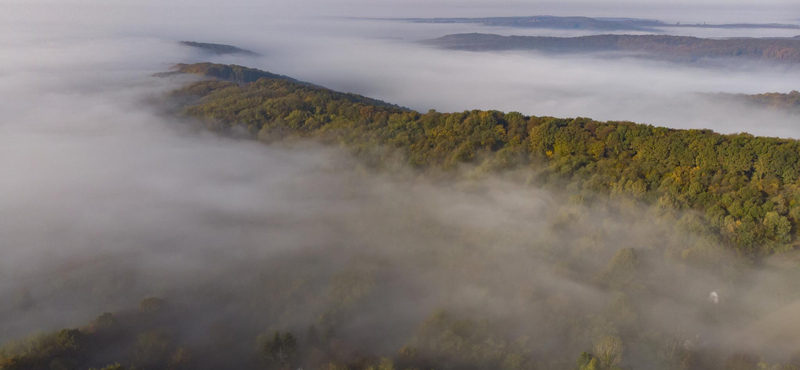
[(597, 24), (677, 48), (789, 102), (550, 22), (736, 25), (219, 49)]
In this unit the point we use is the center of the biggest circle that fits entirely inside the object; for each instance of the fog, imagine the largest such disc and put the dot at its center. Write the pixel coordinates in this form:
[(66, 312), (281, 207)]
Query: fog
[(381, 59), (615, 88), (106, 198)]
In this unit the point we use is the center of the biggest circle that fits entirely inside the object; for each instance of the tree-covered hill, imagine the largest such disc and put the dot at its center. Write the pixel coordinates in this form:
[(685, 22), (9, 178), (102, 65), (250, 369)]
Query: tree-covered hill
[(245, 75), (218, 49), (600, 24), (745, 187), (675, 48), (789, 102), (230, 72), (551, 22)]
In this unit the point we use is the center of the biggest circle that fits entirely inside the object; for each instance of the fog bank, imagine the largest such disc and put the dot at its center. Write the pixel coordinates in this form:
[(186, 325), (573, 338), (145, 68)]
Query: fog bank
[(107, 199), (381, 59)]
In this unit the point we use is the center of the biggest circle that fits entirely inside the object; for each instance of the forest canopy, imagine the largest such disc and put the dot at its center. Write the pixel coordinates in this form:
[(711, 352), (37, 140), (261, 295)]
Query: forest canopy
[(744, 187), (527, 243)]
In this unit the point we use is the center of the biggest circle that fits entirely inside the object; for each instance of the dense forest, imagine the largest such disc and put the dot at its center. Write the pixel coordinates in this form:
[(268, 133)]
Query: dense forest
[(232, 73), (244, 75), (787, 102), (614, 273), (674, 48), (745, 187)]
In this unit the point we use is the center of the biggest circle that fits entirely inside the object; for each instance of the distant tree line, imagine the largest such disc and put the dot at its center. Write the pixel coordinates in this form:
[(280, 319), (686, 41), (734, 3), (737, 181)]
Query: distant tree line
[(787, 102), (667, 47)]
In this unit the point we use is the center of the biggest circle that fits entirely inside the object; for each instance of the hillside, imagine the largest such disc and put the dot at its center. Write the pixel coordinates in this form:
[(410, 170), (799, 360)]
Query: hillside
[(244, 75), (676, 48), (232, 72), (551, 22), (596, 24), (788, 102), (745, 187), (218, 49)]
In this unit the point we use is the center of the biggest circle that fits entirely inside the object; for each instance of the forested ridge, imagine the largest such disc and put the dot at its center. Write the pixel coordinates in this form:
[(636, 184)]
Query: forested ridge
[(745, 187), (605, 24), (245, 75), (675, 48), (218, 49), (788, 102), (233, 73), (551, 22)]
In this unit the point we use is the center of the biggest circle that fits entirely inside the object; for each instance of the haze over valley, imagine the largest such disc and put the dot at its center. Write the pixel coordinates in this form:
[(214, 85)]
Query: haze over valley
[(399, 185)]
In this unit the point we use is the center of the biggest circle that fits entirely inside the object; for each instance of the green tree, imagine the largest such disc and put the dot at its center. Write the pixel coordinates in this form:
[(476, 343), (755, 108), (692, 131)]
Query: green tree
[(609, 351), (281, 350)]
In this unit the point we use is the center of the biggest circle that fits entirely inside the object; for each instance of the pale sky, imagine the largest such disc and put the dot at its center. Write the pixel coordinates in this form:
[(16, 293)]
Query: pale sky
[(673, 10)]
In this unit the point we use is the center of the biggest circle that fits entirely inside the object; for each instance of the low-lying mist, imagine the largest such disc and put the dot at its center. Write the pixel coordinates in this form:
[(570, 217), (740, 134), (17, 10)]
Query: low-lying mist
[(382, 59), (605, 88), (106, 199)]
